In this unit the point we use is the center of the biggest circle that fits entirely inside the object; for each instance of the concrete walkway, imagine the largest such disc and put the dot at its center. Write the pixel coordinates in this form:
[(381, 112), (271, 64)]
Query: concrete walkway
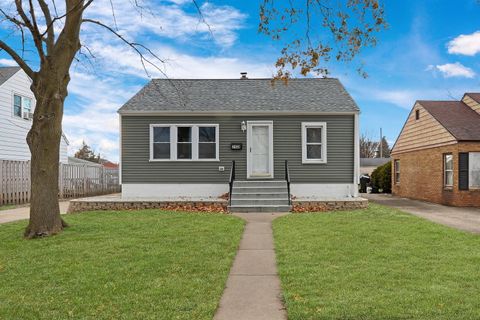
[(253, 288), (467, 219), (22, 213)]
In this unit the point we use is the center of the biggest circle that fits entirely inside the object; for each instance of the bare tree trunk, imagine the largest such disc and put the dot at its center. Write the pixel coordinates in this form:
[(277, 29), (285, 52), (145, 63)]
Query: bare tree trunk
[(44, 142)]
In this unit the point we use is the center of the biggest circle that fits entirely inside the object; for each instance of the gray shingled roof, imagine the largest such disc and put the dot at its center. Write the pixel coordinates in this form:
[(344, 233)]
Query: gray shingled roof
[(6, 73), (241, 95), (373, 162)]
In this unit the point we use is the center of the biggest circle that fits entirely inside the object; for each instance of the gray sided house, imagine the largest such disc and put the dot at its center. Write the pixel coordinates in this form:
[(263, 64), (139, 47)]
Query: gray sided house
[(181, 138)]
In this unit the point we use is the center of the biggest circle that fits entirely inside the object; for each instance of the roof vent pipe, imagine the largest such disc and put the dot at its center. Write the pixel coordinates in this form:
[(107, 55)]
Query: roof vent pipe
[(244, 75)]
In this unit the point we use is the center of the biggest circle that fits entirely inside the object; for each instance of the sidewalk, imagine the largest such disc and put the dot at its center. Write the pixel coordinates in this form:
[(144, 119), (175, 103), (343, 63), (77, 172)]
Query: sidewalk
[(23, 213), (253, 288)]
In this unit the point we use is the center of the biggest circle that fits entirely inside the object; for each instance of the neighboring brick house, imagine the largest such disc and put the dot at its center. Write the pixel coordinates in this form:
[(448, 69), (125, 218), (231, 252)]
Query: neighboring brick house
[(437, 155)]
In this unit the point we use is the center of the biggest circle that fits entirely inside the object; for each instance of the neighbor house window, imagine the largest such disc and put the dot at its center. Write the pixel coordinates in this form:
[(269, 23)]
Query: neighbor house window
[(22, 106), (396, 167), (417, 114), (172, 142), (314, 142), (474, 170), (448, 170)]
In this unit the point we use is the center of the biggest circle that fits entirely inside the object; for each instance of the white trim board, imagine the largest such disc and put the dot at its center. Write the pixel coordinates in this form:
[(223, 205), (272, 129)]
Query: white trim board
[(273, 113), (250, 125), (174, 191), (356, 153), (323, 126)]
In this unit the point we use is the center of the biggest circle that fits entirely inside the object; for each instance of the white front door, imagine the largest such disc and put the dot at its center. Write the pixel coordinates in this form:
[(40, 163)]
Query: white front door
[(260, 149)]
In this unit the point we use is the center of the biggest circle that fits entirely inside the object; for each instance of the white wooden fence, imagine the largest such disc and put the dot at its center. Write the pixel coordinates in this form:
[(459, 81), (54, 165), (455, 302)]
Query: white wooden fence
[(75, 180)]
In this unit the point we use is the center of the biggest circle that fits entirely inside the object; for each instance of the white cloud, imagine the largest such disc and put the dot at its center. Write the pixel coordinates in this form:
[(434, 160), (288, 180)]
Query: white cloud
[(119, 59), (174, 19), (465, 44), (456, 69), (8, 62)]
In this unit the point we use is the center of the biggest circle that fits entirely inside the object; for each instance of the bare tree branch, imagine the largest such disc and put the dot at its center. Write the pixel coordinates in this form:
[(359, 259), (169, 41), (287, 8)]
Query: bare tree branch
[(135, 46), (37, 38), (17, 59), (48, 20)]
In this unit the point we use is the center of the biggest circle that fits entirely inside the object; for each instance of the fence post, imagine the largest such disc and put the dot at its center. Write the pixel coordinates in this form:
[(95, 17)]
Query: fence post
[(1, 182), (29, 180), (84, 180), (60, 179)]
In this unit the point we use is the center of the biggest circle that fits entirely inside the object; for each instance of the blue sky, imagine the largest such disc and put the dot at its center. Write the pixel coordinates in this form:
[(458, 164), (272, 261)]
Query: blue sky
[(429, 51)]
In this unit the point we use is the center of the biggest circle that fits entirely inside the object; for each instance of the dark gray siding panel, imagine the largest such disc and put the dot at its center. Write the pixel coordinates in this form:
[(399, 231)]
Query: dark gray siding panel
[(136, 167)]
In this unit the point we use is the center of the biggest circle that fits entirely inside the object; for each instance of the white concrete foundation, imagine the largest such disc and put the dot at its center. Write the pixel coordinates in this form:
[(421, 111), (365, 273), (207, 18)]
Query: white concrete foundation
[(322, 191), (173, 191)]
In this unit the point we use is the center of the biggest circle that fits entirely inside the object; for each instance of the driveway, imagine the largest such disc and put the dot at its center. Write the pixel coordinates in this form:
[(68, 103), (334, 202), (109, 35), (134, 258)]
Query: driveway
[(467, 219), (22, 213)]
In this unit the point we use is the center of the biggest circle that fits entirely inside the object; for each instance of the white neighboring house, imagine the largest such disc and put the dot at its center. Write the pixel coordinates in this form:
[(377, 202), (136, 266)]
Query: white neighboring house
[(17, 103)]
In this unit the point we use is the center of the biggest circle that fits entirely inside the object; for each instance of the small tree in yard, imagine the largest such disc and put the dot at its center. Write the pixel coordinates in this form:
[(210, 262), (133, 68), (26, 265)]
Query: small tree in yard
[(86, 153), (320, 30), (385, 148), (382, 178)]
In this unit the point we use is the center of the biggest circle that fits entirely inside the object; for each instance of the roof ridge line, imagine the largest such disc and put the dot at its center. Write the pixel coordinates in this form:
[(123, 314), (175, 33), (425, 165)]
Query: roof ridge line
[(236, 79)]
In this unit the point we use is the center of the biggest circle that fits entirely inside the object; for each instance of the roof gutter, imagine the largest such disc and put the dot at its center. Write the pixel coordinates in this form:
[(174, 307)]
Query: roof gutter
[(231, 113)]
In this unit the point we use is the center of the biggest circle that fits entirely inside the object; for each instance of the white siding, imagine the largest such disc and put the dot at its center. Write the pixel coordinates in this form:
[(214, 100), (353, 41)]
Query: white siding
[(13, 130), (63, 151)]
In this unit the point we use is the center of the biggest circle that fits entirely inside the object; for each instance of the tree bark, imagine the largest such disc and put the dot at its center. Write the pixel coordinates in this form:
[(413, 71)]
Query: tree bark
[(50, 90)]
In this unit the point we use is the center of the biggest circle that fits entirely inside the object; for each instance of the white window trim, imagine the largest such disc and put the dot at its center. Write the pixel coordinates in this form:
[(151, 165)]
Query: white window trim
[(445, 170), (32, 105), (195, 140), (470, 185), (306, 125), (396, 171)]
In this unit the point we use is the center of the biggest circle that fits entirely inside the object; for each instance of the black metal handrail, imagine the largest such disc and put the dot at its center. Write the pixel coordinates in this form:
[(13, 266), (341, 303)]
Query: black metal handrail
[(230, 182), (287, 178)]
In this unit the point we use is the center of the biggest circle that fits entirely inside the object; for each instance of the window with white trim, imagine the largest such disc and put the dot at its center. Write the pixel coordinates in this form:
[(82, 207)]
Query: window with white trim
[(448, 170), (474, 170), (314, 142), (184, 142), (22, 106), (396, 168), (161, 142)]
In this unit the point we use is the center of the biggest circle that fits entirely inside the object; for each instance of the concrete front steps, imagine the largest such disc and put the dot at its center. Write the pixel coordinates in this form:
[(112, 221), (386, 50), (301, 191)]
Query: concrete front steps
[(259, 196)]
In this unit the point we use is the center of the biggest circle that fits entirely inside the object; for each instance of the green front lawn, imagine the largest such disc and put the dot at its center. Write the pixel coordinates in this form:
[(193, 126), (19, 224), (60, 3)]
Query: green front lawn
[(377, 263), (119, 265)]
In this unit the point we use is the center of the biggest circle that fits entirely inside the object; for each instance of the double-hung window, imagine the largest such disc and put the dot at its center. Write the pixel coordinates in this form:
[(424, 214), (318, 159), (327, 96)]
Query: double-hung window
[(314, 142), (161, 142), (184, 142), (22, 106), (448, 170), (474, 170), (396, 168), (207, 142)]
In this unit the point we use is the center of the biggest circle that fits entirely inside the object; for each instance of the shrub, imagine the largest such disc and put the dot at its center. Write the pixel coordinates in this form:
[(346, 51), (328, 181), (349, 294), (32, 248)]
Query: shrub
[(382, 178)]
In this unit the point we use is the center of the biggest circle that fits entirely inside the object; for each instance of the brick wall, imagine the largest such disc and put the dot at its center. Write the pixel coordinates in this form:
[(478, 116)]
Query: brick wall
[(421, 176)]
